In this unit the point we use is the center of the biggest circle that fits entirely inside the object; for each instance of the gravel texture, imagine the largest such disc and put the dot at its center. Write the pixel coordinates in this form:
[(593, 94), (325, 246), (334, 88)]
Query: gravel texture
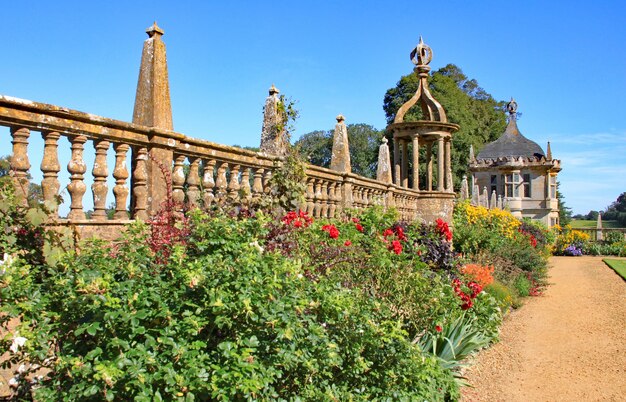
[(567, 345)]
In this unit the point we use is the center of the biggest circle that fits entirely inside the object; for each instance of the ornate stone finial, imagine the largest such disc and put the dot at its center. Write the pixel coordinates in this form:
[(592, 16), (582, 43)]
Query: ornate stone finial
[(385, 140), (511, 107), (431, 108), (464, 188), (422, 54), (154, 30), (274, 136), (472, 158), (274, 90), (340, 118)]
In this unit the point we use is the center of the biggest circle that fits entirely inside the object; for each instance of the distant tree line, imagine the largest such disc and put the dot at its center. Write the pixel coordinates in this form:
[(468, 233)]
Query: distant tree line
[(616, 211)]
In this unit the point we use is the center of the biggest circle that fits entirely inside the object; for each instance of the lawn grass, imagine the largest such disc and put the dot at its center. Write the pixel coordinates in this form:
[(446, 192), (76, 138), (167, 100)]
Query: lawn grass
[(619, 266), (582, 224)]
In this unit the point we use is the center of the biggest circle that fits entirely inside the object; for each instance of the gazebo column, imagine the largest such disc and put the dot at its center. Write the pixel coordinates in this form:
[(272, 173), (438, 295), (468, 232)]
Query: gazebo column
[(405, 164), (449, 184), (440, 159), (396, 162), (429, 166), (416, 164)]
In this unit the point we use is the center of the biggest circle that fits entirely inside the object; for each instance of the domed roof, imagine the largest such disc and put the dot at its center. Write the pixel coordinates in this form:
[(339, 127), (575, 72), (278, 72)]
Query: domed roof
[(512, 143)]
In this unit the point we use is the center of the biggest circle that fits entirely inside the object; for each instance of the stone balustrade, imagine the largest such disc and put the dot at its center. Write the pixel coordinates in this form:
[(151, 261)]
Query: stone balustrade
[(202, 173)]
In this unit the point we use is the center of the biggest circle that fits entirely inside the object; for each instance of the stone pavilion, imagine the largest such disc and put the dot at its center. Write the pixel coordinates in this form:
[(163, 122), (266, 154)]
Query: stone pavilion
[(514, 172)]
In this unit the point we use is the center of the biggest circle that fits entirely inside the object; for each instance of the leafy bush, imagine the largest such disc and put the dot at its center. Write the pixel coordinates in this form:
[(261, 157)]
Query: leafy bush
[(501, 294), (566, 238)]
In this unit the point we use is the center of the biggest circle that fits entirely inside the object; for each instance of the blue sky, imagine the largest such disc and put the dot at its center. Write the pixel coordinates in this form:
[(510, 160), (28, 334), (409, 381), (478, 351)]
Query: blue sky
[(563, 62)]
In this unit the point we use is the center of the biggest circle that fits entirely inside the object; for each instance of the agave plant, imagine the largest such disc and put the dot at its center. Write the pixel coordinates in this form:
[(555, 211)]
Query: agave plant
[(454, 344)]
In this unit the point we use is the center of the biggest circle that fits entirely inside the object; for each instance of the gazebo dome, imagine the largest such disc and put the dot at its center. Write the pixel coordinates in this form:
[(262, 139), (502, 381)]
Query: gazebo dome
[(512, 143)]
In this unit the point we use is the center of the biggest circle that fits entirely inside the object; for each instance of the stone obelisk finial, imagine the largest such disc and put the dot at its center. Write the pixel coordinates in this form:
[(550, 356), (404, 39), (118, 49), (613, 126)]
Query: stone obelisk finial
[(340, 157), (549, 152), (383, 172), (152, 101), (274, 139)]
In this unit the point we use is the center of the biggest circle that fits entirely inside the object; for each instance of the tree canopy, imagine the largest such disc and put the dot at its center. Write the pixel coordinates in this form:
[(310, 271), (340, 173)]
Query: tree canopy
[(364, 140), (617, 210), (481, 117)]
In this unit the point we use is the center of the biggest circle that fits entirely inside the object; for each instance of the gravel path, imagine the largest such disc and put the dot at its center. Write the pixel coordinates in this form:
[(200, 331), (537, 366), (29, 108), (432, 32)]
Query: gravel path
[(567, 345)]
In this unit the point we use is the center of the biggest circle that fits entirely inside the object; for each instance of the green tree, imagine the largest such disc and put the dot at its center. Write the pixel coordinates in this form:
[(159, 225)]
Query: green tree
[(617, 210), (35, 192), (481, 117), (364, 140), (565, 212)]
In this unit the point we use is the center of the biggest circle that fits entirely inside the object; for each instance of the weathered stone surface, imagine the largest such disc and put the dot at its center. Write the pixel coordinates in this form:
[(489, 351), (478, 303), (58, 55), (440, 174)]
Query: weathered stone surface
[(383, 171), (274, 139), (152, 101), (340, 157)]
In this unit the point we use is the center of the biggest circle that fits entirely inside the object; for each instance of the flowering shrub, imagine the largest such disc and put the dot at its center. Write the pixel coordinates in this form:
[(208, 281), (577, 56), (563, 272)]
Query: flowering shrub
[(245, 306), (482, 274), (569, 241)]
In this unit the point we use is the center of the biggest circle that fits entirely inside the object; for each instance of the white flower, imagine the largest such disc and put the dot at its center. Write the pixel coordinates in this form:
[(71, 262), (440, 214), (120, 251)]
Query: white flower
[(6, 262), (18, 342), (13, 382), (21, 369), (257, 246)]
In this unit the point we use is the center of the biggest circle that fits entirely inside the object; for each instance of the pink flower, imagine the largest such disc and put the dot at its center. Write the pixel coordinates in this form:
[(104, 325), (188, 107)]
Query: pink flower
[(355, 220)]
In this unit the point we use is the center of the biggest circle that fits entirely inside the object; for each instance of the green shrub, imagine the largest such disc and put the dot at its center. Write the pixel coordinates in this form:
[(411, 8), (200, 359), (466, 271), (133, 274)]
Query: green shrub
[(522, 286), (501, 293), (223, 320)]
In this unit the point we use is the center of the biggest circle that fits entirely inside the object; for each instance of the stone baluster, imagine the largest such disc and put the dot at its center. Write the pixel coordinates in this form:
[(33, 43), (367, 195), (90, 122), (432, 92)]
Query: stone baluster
[(50, 167), (221, 182), (338, 199), (233, 184), (20, 163), (100, 173), (324, 200), (140, 184), (77, 169), (366, 197), (193, 183), (178, 181), (246, 190), (120, 173), (440, 164), (267, 189), (257, 183), (318, 198), (310, 196), (332, 200), (208, 183)]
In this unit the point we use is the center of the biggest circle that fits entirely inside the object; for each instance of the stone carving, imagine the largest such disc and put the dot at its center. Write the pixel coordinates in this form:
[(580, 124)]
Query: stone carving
[(383, 171), (19, 162), (77, 168), (50, 167), (100, 173)]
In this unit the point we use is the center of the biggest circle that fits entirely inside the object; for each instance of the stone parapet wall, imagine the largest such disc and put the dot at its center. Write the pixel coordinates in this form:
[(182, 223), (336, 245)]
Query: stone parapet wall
[(215, 173)]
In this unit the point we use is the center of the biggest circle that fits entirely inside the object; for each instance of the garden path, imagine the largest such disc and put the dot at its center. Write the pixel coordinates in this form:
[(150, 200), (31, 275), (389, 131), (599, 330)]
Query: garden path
[(567, 345)]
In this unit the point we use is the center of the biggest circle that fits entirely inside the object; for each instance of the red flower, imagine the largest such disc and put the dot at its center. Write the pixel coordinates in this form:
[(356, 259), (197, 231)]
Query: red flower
[(438, 328), (396, 246), (347, 243), (475, 287), (444, 229), (533, 241), (388, 232), (355, 220), (333, 232), (400, 233), (297, 224), (359, 227)]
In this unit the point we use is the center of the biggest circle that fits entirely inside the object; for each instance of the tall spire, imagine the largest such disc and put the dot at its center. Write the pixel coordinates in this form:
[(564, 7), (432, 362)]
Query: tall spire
[(340, 156), (152, 101), (274, 136), (549, 152)]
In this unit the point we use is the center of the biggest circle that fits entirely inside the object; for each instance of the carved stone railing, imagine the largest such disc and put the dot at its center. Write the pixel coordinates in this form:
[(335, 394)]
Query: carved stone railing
[(216, 174)]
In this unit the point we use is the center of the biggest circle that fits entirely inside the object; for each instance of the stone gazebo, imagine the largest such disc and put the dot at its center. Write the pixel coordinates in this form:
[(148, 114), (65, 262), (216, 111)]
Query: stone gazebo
[(432, 131)]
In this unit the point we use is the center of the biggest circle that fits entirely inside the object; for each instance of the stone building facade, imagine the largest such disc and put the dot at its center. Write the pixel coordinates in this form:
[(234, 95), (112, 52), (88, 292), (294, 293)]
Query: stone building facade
[(514, 172)]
